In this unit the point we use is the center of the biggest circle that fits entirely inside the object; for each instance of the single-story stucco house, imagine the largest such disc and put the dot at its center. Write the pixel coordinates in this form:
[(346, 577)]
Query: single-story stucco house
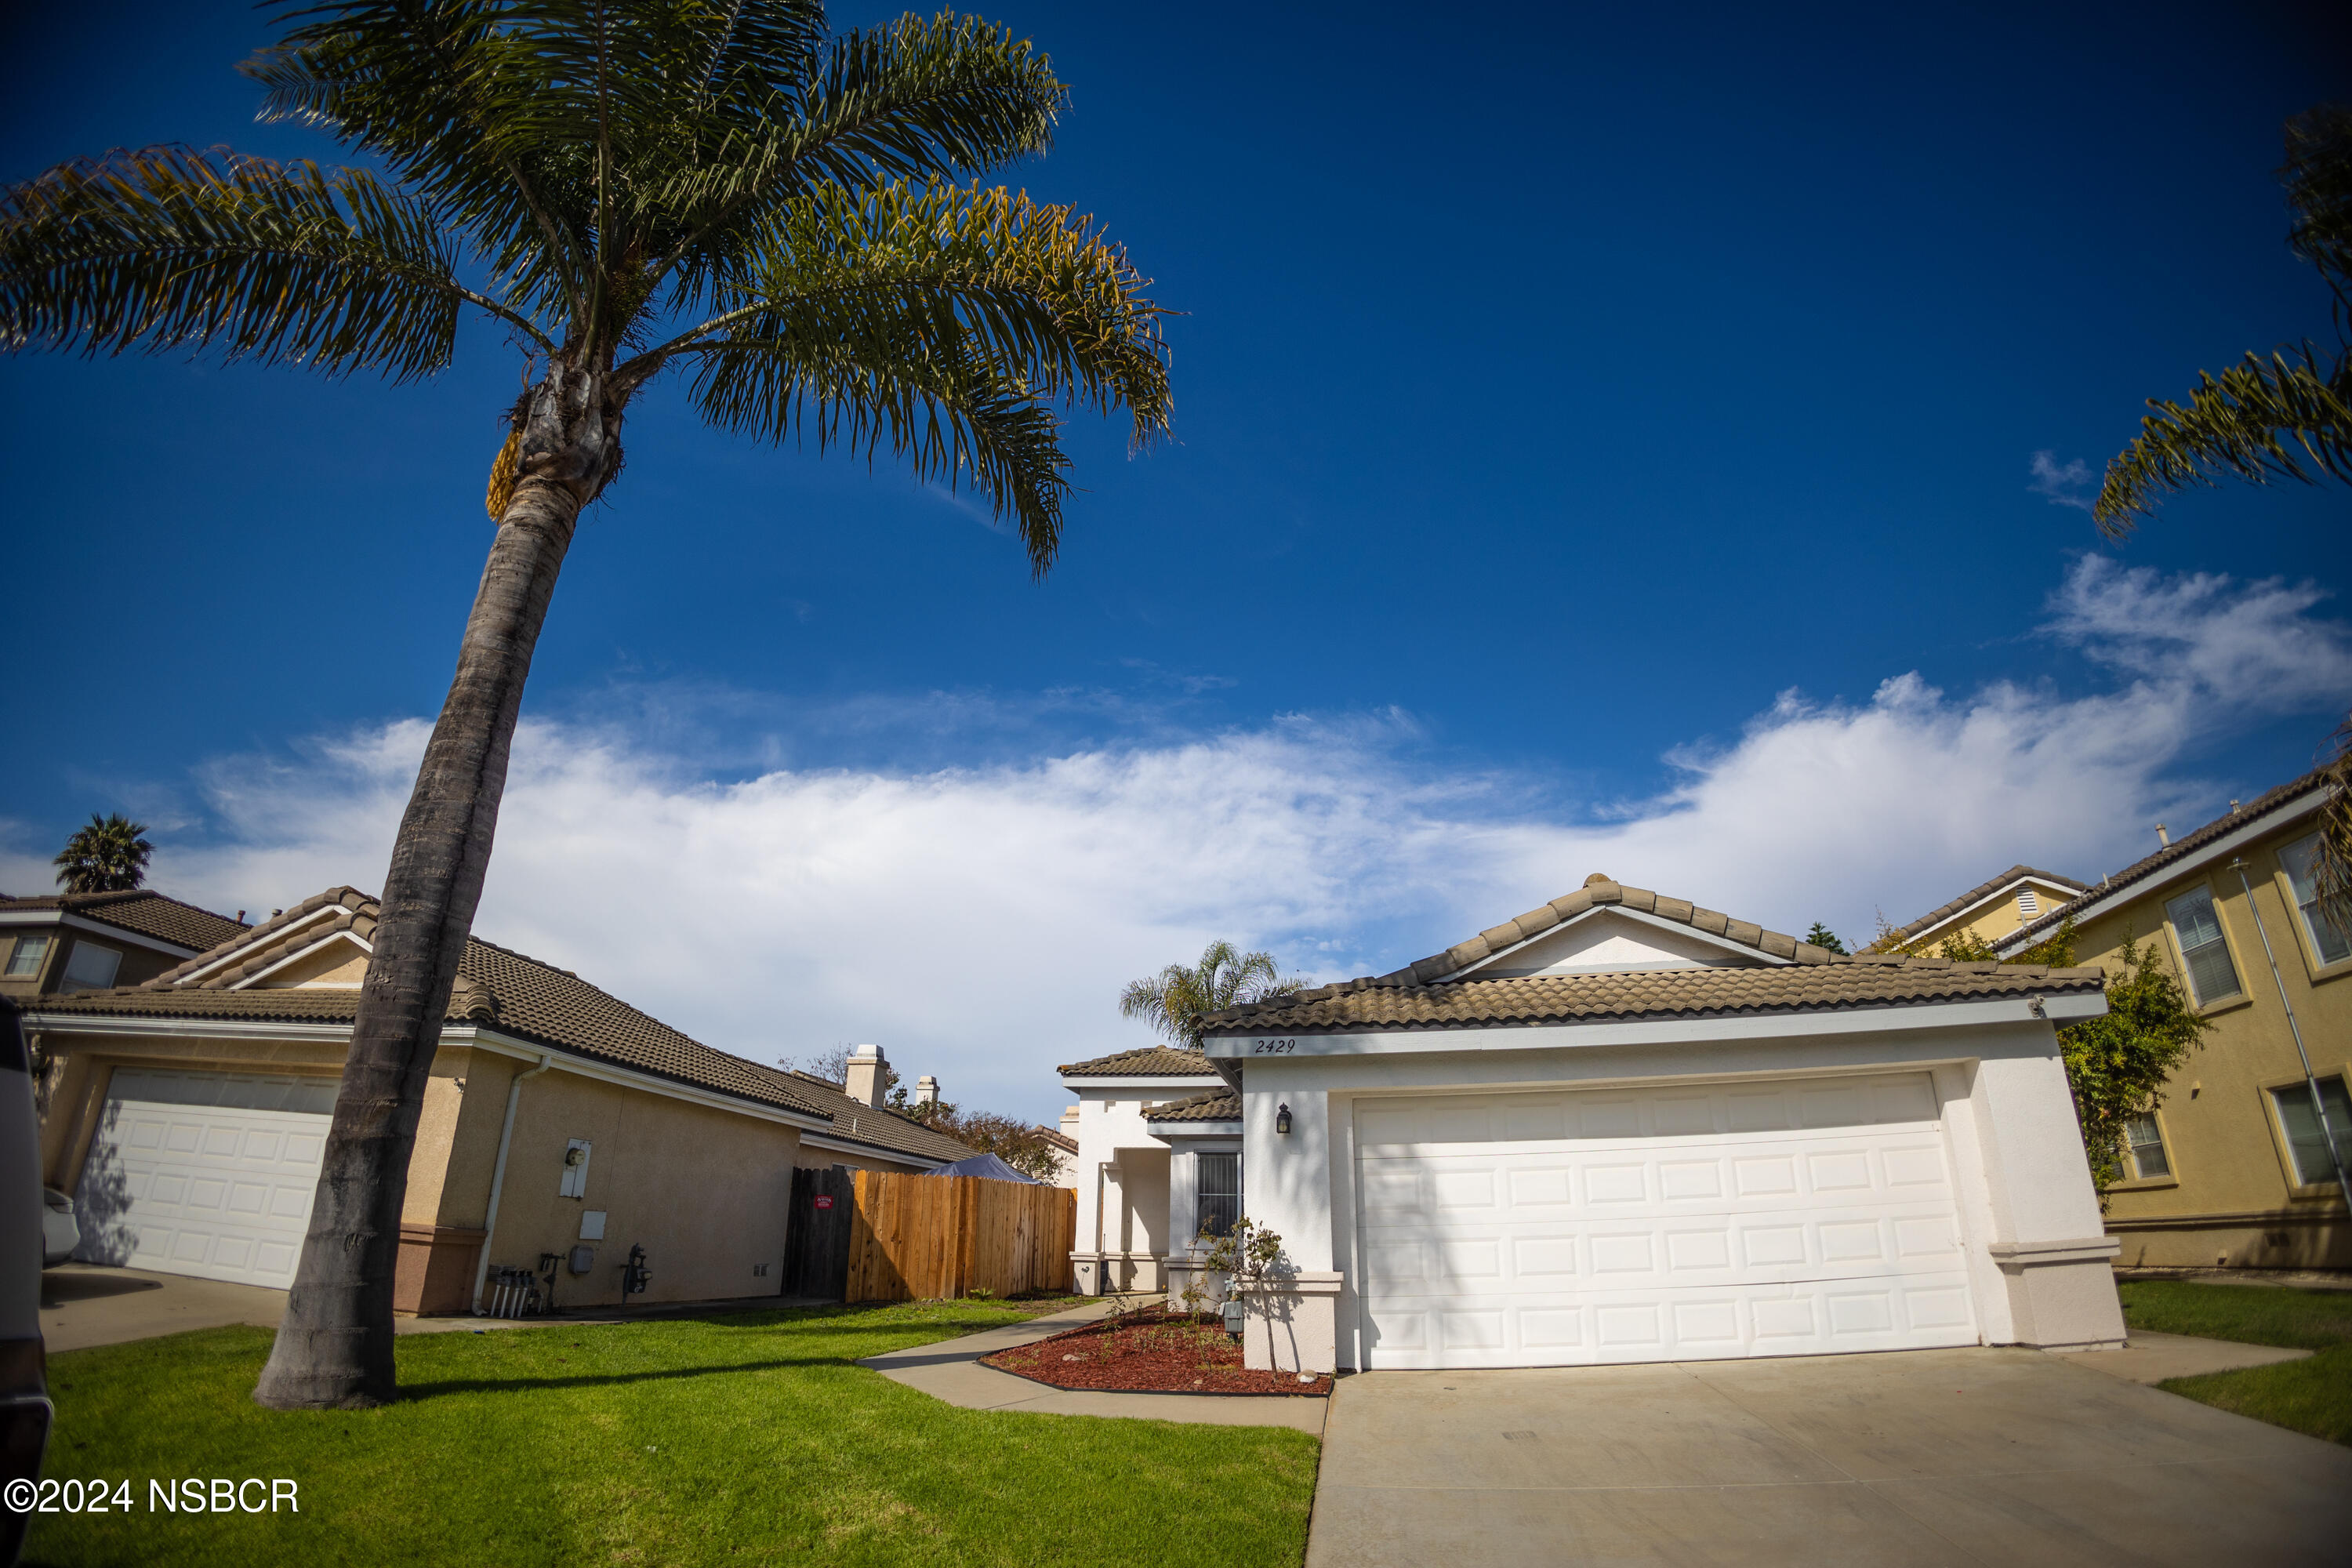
[(561, 1129), (1624, 1128)]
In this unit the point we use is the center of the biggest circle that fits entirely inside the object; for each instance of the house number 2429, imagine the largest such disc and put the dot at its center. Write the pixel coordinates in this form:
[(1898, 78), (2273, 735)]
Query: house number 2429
[(1273, 1048)]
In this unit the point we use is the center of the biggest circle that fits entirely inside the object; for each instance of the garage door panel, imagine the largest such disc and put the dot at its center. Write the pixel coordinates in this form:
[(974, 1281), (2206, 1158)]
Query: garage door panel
[(1793, 1223), (215, 1188)]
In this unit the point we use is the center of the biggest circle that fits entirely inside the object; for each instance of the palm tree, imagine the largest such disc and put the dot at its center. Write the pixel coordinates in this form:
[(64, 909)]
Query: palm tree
[(109, 855), (2288, 415), (628, 188), (1174, 1000)]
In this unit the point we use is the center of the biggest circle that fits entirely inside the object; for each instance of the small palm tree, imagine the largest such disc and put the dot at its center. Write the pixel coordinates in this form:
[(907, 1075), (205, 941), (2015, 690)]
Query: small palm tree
[(109, 855), (790, 229), (1174, 1000), (2288, 415)]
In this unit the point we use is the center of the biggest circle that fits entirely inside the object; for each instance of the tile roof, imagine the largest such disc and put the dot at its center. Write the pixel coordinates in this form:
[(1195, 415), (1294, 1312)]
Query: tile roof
[(854, 1119), (1985, 889), (143, 910), (1144, 1061), (1058, 1139), (517, 995), (1871, 982), (1221, 1105), (1599, 892), (2187, 843)]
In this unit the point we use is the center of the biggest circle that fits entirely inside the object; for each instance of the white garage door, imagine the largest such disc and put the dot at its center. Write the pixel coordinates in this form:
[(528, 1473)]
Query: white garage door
[(1791, 1217), (203, 1174)]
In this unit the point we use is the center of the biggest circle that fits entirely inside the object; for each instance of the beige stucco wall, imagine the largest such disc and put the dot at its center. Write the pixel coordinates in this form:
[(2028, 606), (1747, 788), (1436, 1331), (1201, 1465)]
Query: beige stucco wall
[(2231, 1199), (706, 1190)]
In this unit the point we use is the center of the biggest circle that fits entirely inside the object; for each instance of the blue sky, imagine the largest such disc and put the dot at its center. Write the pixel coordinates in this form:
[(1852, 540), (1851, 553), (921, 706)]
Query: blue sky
[(1559, 391)]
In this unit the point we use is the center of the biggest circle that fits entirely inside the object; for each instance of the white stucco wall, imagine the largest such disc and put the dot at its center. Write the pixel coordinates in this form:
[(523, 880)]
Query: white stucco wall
[(1122, 1177)]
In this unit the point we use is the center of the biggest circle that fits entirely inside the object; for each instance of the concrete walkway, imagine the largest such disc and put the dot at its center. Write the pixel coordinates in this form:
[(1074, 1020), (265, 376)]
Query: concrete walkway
[(2006, 1457), (2151, 1358), (948, 1370)]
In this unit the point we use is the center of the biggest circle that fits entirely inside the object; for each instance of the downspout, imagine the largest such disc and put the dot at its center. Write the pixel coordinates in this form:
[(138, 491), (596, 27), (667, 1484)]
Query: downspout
[(2318, 1106), (498, 1175)]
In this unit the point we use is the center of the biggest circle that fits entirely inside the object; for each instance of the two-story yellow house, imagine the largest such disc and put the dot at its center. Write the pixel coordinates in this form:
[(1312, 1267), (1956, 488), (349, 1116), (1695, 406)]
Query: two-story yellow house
[(2232, 1169)]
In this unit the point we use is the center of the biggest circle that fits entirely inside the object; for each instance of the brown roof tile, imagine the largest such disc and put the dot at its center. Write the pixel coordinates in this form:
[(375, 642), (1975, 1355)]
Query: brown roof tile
[(884, 1129), (1984, 889), (1223, 1105), (2189, 844), (143, 910), (1145, 1061), (527, 999), (1711, 992)]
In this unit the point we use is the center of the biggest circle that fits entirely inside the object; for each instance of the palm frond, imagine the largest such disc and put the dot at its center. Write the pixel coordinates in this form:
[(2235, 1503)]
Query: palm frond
[(167, 247), (2318, 175), (2284, 416), (926, 102), (1032, 289)]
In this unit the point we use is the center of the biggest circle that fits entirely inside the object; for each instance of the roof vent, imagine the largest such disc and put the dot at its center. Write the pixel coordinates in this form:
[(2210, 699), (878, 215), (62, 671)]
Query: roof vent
[(2162, 837), (1597, 877), (2027, 904)]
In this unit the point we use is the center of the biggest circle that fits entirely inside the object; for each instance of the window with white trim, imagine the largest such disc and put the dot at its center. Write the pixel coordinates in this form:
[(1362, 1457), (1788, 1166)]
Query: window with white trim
[(1216, 1193), (2329, 939), (2144, 1148), (2304, 1142), (2198, 926), (26, 962), (92, 967)]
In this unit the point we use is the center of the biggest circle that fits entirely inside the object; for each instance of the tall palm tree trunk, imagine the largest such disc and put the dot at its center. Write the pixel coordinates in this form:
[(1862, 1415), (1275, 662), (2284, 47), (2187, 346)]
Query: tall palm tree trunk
[(334, 1348)]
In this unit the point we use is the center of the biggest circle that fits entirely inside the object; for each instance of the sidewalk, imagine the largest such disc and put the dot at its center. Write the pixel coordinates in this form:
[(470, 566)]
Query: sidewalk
[(2151, 1358), (948, 1372)]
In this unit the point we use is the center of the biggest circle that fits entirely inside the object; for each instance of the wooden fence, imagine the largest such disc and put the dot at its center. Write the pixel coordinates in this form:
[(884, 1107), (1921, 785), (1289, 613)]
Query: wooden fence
[(931, 1238)]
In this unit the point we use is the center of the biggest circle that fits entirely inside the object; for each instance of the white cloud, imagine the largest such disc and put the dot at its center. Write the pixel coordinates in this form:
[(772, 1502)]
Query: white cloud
[(978, 920), (2062, 484)]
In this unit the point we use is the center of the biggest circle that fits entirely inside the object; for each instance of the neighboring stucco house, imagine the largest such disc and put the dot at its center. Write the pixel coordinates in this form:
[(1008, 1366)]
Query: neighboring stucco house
[(561, 1127), (63, 942), (1126, 1224), (1623, 1128), (1066, 1153), (1993, 909), (2232, 1171)]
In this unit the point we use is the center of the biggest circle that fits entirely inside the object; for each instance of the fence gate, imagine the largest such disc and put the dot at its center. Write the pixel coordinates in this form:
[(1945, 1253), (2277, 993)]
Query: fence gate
[(816, 1237)]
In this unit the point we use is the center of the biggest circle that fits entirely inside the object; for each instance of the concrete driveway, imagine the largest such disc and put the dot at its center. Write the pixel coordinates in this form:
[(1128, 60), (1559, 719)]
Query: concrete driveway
[(2007, 1456)]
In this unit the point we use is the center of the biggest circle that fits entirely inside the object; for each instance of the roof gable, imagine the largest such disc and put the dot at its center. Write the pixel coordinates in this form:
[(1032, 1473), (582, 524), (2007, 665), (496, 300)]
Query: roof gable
[(1611, 940), (1987, 892), (141, 911), (1458, 961)]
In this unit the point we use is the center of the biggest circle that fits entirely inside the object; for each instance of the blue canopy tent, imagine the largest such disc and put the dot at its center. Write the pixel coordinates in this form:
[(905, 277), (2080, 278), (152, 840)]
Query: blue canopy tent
[(985, 1165)]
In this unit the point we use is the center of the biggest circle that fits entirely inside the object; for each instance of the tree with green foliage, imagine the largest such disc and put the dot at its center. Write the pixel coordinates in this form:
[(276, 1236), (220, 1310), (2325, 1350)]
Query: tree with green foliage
[(2284, 415), (1823, 937), (2117, 1064), (1175, 1000), (108, 856), (790, 228)]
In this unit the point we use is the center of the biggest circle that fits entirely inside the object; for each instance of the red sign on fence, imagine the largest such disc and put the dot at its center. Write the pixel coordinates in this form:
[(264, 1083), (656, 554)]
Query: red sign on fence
[(825, 1202)]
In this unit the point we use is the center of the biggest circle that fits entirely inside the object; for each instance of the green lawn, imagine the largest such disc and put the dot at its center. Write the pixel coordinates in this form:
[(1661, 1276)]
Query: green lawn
[(2313, 1395), (741, 1438)]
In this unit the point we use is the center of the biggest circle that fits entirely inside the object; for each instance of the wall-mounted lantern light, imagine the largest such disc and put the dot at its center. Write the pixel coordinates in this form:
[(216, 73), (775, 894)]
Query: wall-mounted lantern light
[(1282, 1120)]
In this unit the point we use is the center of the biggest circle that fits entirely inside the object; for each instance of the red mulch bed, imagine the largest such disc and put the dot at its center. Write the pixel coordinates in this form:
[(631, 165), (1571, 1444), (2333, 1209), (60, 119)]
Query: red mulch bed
[(1148, 1353)]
